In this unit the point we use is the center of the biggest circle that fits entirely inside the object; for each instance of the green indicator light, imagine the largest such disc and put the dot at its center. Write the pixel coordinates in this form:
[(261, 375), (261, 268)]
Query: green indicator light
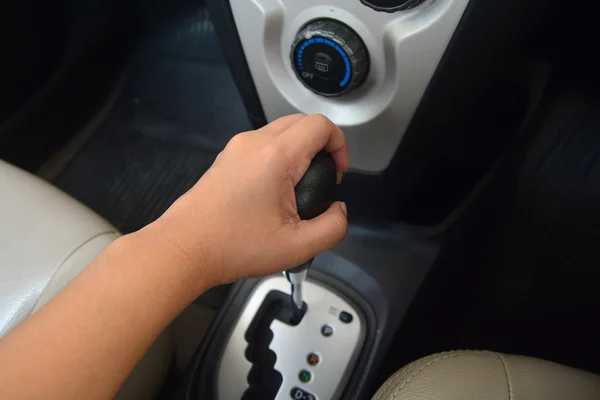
[(304, 376)]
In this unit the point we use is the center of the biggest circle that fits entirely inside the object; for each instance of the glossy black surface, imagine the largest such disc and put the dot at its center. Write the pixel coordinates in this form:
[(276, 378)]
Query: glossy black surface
[(392, 5), (314, 192)]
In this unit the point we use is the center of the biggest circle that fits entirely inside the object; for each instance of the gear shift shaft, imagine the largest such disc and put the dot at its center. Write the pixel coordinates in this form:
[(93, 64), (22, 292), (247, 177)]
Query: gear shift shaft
[(314, 194), (296, 276)]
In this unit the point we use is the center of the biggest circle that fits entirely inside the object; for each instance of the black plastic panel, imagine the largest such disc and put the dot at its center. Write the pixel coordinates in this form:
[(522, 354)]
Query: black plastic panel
[(482, 46), (101, 35), (222, 19)]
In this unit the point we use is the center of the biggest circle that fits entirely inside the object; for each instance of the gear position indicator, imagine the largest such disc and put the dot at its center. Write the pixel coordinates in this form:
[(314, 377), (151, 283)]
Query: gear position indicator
[(300, 394), (329, 58)]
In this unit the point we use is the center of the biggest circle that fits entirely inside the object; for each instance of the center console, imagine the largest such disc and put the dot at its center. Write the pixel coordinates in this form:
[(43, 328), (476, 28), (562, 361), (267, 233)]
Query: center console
[(409, 83), (407, 80), (271, 355), (355, 298)]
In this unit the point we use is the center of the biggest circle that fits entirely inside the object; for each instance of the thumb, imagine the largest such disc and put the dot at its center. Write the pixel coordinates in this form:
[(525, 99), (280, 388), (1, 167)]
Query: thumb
[(319, 234)]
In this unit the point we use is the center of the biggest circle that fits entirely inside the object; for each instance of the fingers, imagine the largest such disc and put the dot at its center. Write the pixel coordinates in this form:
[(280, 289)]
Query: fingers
[(281, 124), (311, 134), (319, 234)]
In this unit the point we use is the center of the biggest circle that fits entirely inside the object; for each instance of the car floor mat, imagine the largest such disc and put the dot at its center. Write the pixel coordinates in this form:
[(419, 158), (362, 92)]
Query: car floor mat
[(539, 292), (176, 111)]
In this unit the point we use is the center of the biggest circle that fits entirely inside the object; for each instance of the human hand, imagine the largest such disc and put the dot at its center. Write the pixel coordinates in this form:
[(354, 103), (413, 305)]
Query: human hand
[(240, 219)]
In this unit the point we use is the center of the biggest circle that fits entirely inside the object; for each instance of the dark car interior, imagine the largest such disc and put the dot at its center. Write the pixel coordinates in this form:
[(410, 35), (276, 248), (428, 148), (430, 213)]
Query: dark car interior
[(473, 195)]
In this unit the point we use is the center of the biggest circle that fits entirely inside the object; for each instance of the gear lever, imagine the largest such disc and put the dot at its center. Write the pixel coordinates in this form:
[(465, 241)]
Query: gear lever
[(314, 195)]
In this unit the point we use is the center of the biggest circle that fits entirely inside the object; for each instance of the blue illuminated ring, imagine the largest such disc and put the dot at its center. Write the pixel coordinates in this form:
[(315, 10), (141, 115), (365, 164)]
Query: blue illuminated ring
[(328, 42)]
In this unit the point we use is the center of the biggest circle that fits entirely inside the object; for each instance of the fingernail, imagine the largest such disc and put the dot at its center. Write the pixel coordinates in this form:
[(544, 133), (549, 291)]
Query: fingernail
[(339, 177), (344, 208)]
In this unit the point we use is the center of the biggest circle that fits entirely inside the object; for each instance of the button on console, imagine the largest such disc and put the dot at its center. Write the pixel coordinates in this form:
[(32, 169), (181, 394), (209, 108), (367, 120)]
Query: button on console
[(304, 376), (345, 317), (324, 65), (326, 330), (312, 359)]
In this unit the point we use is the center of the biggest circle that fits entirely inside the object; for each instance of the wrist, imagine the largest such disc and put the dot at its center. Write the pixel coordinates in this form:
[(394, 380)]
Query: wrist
[(162, 258), (187, 247)]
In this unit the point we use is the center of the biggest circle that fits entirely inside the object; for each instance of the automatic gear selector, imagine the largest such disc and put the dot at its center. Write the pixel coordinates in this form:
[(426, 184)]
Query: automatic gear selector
[(314, 195), (300, 349), (272, 355), (329, 58)]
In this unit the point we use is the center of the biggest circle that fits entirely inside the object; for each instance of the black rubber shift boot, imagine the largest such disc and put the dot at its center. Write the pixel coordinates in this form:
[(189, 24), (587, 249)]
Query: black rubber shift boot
[(263, 379)]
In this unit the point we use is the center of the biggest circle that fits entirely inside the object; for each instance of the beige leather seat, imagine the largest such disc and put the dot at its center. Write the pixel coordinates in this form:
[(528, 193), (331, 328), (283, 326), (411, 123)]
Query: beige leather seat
[(474, 375), (46, 239)]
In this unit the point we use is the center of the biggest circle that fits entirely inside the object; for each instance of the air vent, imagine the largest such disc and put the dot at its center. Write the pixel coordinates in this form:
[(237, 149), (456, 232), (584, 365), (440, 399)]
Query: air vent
[(392, 5)]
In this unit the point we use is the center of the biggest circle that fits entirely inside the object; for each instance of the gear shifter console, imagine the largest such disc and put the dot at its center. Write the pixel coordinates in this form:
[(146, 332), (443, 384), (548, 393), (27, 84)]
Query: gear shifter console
[(263, 379), (301, 346), (271, 354)]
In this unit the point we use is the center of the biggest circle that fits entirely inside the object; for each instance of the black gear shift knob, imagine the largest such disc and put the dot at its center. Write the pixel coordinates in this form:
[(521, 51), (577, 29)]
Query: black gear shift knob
[(314, 192)]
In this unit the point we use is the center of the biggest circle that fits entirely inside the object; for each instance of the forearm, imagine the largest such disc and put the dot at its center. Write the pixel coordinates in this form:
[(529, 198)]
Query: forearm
[(84, 343), (240, 220)]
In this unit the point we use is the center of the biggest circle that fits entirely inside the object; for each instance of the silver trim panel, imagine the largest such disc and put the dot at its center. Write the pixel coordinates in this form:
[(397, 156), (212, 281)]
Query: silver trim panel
[(405, 49), (292, 344)]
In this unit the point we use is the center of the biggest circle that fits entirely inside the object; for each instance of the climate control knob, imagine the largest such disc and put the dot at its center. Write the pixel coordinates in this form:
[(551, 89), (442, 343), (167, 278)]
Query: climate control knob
[(329, 58)]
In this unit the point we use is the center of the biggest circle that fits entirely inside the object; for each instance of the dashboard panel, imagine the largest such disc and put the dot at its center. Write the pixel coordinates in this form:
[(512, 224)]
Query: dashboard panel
[(402, 145), (404, 50)]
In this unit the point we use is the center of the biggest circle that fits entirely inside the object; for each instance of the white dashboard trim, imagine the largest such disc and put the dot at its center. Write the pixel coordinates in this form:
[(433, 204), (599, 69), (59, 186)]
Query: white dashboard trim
[(405, 49)]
